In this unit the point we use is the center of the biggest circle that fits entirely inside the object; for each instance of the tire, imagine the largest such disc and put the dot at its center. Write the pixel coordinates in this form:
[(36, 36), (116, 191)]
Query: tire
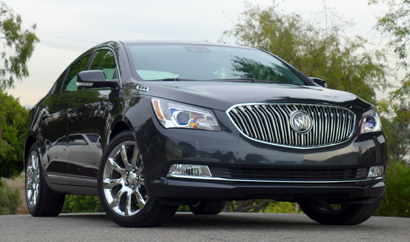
[(348, 214), (207, 208), (121, 186), (40, 199)]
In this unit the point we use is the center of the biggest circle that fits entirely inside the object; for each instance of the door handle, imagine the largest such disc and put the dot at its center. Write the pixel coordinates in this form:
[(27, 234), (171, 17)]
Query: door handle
[(72, 116)]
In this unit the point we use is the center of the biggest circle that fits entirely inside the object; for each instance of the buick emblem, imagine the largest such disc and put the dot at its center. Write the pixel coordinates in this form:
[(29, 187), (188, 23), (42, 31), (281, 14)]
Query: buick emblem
[(300, 121)]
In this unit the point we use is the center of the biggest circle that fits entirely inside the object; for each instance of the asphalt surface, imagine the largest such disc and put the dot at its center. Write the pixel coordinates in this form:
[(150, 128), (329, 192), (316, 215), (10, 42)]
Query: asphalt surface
[(188, 227)]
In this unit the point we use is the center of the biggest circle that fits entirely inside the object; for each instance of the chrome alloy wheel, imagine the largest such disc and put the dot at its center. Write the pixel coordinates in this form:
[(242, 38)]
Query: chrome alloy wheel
[(33, 179), (123, 180)]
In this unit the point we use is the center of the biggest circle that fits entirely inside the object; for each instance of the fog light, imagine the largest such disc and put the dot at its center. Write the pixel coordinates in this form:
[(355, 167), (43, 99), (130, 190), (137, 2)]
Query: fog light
[(376, 171), (189, 170)]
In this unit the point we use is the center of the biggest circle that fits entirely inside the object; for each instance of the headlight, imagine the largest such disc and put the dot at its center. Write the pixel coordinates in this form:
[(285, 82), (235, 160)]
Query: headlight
[(178, 115), (371, 122)]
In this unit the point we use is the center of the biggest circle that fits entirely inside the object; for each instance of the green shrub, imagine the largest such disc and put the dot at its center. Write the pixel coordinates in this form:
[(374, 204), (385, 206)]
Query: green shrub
[(9, 199), (282, 207), (81, 204), (396, 201), (183, 208), (262, 206)]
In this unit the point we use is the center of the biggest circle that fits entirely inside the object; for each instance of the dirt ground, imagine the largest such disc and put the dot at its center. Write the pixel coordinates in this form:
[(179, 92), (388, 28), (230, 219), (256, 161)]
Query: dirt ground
[(19, 184)]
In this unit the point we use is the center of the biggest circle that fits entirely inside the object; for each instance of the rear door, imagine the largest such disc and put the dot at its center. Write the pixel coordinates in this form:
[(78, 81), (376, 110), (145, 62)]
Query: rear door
[(52, 131), (54, 123)]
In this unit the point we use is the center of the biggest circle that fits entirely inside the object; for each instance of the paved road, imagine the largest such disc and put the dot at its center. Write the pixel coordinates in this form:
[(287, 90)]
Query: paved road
[(230, 227)]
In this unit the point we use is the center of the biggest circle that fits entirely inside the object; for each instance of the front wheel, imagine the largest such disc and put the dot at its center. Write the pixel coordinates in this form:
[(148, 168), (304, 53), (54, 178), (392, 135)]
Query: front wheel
[(340, 214), (121, 186)]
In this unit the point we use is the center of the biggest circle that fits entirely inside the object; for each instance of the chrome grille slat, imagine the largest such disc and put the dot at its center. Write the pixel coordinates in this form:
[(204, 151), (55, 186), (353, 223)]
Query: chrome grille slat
[(268, 130), (273, 124), (258, 118), (270, 123)]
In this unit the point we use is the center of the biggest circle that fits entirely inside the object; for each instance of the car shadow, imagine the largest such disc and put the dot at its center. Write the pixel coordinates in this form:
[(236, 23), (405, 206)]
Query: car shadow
[(229, 221), (241, 221)]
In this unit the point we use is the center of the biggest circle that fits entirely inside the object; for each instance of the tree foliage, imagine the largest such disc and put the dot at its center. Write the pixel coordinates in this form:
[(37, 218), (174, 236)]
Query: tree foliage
[(344, 63), (12, 134), (394, 25), (398, 135), (18, 46)]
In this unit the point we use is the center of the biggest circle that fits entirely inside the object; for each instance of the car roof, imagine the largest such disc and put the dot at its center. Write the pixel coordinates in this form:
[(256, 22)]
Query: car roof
[(142, 42)]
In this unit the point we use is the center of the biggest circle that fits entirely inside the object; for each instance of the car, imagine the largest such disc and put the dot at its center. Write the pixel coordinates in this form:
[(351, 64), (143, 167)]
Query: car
[(151, 125)]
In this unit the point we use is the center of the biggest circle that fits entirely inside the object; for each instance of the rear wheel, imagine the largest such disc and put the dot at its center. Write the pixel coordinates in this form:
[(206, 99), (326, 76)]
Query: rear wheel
[(121, 186), (340, 214), (41, 201), (207, 208)]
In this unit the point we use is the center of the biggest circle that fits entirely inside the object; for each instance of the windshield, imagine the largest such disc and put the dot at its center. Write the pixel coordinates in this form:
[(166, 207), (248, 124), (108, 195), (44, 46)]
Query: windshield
[(202, 62)]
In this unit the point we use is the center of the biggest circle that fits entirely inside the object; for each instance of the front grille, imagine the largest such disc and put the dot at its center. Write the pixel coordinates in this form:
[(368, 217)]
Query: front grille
[(270, 123), (290, 174)]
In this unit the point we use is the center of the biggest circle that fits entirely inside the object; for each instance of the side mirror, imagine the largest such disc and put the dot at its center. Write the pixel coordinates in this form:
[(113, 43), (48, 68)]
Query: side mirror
[(95, 78), (319, 81)]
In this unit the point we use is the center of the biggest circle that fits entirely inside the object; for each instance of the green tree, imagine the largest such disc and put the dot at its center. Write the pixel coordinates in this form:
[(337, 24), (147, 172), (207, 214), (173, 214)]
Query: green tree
[(395, 26), (12, 133), (344, 63), (18, 46)]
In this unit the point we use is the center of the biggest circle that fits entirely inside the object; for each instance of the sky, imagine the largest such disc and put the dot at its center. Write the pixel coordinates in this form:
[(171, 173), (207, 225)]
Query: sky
[(68, 28)]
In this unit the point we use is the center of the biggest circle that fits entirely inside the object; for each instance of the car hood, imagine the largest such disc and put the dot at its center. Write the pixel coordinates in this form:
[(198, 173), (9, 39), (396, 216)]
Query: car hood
[(223, 95)]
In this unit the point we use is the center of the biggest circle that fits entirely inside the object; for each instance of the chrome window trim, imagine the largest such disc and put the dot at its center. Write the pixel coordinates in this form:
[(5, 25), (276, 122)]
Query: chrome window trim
[(289, 146), (268, 181)]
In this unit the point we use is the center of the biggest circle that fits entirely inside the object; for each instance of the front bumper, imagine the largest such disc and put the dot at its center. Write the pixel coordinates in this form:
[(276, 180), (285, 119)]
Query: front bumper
[(192, 190)]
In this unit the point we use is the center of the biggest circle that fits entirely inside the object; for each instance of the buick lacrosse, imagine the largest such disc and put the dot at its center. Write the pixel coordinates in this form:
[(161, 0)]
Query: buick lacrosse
[(148, 126)]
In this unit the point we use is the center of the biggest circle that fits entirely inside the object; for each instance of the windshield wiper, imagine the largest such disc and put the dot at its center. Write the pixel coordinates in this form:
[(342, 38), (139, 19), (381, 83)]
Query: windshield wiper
[(235, 80), (248, 79), (176, 79)]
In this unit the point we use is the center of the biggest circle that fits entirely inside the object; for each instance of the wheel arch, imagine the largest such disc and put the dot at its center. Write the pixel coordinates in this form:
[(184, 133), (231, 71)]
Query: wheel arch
[(30, 140), (118, 127)]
